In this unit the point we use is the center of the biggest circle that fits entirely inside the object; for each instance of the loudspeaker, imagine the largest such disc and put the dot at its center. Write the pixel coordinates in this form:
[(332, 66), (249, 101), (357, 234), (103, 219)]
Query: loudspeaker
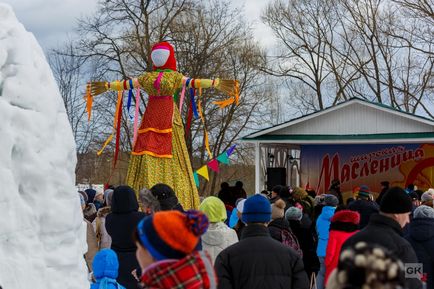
[(275, 176)]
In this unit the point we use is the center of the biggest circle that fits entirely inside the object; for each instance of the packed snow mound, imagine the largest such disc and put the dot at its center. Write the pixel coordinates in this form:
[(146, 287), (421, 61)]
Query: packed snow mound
[(42, 234)]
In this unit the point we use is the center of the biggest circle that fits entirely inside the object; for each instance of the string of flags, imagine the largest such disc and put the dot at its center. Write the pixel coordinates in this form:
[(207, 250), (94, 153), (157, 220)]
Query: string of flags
[(213, 165)]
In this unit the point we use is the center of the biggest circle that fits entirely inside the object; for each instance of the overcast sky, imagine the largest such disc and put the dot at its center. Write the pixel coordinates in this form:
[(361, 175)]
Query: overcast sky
[(52, 21)]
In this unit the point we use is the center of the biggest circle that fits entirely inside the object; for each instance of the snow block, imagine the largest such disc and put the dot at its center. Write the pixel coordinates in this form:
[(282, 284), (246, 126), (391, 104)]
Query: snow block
[(42, 234)]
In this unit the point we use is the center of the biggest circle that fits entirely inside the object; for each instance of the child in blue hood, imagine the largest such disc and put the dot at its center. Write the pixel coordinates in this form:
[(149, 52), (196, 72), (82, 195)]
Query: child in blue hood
[(105, 270)]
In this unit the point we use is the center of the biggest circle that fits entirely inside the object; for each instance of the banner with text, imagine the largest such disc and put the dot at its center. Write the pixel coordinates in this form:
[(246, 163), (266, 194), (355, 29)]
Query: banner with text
[(355, 165)]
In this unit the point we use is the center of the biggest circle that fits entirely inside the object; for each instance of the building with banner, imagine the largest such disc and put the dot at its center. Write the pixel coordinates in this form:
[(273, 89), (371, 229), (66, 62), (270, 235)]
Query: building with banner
[(357, 141)]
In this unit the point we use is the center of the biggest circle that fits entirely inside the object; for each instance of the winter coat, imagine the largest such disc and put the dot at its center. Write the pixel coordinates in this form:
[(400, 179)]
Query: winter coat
[(274, 199), (322, 229), (105, 270), (289, 202), (343, 225), (317, 210), (120, 225), (218, 237), (380, 197), (239, 228), (103, 238), (421, 238), (276, 226), (386, 232), (307, 243), (259, 261), (89, 212), (193, 271), (365, 208), (92, 245)]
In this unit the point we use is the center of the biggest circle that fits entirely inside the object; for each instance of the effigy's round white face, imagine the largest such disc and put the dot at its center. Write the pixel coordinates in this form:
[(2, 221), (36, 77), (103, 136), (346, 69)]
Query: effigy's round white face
[(159, 57)]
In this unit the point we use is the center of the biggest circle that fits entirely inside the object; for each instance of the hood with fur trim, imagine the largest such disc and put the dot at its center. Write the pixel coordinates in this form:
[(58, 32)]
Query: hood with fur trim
[(345, 220), (346, 216), (103, 212)]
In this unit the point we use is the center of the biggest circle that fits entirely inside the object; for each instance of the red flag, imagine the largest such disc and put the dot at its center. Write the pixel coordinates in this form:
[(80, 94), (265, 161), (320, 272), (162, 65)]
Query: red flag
[(214, 165)]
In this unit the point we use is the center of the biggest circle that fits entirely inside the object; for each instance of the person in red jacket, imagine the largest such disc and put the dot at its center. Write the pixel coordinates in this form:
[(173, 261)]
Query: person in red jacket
[(343, 225)]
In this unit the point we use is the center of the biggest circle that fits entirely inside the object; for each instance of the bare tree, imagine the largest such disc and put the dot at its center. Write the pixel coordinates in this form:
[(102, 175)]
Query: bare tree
[(70, 73), (211, 43), (301, 28), (344, 48)]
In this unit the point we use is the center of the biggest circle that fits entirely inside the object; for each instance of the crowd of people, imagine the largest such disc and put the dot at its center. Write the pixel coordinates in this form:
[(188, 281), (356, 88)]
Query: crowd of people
[(286, 238)]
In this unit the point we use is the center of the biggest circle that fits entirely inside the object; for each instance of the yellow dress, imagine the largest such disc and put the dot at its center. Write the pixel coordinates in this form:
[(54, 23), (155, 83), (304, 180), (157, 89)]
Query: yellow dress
[(147, 168)]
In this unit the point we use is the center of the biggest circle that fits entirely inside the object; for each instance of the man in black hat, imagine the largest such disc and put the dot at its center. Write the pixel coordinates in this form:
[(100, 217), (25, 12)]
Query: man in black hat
[(385, 229)]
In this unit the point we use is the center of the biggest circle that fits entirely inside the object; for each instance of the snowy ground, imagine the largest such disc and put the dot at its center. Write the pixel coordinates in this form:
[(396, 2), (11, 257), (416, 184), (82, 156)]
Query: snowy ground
[(42, 235)]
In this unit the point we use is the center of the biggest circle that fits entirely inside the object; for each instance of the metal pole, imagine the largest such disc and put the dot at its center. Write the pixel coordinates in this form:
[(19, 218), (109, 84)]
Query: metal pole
[(257, 168)]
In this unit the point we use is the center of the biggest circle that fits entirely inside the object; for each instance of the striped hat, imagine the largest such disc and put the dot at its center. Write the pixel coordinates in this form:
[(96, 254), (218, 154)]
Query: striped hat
[(363, 192), (172, 234)]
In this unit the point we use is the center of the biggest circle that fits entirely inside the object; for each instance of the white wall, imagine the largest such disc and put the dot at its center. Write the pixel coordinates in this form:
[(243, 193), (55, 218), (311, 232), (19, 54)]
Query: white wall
[(356, 118)]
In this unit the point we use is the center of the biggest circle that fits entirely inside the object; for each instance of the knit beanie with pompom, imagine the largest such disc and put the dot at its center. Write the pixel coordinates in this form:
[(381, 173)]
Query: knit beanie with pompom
[(367, 266), (172, 234)]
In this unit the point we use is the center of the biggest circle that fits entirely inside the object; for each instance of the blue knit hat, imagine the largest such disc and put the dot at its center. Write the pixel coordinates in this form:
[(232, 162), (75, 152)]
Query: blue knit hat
[(257, 209)]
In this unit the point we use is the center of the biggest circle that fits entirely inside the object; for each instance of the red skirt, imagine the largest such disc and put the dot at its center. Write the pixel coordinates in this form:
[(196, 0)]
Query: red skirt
[(155, 132)]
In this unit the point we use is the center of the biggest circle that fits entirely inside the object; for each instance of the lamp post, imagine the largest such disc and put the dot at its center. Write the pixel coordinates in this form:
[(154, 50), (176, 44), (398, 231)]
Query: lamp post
[(270, 160)]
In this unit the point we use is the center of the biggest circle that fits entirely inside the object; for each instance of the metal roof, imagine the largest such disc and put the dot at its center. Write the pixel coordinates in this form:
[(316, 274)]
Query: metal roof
[(274, 133)]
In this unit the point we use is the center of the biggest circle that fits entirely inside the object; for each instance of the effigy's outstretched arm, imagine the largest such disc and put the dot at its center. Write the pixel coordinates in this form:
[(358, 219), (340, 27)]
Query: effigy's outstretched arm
[(99, 87), (199, 82), (227, 86)]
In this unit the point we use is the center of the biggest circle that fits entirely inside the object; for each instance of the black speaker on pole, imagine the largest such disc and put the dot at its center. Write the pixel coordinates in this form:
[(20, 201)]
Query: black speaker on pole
[(275, 176)]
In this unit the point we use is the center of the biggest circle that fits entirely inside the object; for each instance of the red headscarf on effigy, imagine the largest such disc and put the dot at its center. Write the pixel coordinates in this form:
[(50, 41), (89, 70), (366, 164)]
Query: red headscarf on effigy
[(171, 61)]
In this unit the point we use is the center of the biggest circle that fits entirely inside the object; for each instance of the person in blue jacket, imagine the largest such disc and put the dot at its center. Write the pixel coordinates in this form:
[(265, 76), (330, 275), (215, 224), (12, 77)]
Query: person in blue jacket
[(322, 229), (105, 270)]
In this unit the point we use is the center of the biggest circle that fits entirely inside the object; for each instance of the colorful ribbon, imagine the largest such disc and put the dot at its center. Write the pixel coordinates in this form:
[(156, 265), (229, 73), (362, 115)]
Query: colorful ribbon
[(136, 116), (205, 133), (118, 133), (181, 99), (157, 82), (189, 118), (189, 112), (89, 102), (193, 104), (130, 96), (115, 120)]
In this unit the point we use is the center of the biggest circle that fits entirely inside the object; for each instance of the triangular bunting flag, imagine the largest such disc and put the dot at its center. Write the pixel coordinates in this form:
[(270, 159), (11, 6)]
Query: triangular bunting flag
[(196, 179), (214, 165), (203, 171), (223, 158), (230, 150)]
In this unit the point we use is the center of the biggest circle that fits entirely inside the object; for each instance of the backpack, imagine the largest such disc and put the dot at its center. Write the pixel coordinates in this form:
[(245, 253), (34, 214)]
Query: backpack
[(290, 240)]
